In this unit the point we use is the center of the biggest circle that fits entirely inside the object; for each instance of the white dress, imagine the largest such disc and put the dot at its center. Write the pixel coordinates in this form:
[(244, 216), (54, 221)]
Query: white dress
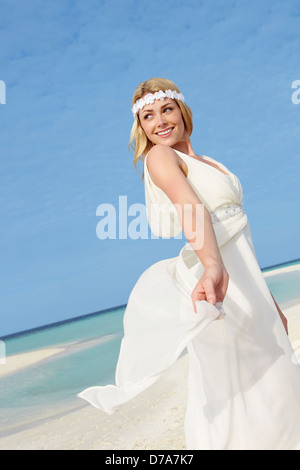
[(244, 387)]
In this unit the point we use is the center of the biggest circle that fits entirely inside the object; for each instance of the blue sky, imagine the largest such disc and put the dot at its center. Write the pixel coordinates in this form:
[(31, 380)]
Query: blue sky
[(70, 69)]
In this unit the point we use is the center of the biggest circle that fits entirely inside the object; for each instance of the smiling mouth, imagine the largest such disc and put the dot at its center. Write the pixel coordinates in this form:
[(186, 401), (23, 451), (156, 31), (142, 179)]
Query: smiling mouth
[(165, 133)]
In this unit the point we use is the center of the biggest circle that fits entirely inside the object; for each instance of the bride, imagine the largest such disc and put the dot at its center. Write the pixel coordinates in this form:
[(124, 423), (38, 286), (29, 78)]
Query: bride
[(212, 298)]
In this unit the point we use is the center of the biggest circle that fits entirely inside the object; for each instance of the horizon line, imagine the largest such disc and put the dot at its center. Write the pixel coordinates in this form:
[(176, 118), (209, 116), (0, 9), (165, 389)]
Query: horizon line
[(106, 310), (59, 323)]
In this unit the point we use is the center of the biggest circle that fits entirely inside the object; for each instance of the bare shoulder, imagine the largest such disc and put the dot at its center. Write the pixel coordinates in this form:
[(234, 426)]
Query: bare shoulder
[(163, 163), (162, 155)]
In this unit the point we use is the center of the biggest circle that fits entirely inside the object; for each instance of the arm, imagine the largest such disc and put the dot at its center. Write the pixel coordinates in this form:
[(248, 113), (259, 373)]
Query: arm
[(165, 171)]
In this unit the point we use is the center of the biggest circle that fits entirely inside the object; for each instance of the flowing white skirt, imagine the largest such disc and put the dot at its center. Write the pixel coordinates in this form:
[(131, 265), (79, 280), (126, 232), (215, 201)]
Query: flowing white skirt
[(244, 387)]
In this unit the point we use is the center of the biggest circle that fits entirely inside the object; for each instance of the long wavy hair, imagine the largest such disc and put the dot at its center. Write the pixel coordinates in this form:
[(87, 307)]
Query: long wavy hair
[(138, 141)]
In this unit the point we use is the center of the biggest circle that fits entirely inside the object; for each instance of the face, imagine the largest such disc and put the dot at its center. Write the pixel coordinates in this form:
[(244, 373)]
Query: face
[(162, 122)]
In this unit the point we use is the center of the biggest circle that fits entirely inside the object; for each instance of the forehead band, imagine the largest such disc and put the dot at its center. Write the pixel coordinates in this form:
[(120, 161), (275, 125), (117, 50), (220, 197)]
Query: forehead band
[(151, 97)]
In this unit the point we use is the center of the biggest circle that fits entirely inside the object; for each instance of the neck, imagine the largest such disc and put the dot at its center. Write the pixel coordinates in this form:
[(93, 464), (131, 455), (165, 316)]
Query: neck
[(185, 146)]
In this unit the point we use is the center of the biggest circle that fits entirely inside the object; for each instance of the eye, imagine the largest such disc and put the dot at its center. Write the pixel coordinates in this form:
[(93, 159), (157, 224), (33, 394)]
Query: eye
[(147, 116), (169, 108)]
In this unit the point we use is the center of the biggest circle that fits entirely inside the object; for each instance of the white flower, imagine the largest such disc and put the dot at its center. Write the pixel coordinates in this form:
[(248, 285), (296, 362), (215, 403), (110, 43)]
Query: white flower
[(169, 94), (158, 95), (149, 99)]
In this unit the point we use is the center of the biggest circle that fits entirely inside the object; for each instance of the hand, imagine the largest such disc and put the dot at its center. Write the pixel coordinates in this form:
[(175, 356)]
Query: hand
[(212, 286)]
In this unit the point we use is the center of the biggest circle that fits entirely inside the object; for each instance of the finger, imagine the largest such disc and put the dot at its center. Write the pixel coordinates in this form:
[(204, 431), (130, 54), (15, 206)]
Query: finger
[(197, 296), (210, 292), (222, 293)]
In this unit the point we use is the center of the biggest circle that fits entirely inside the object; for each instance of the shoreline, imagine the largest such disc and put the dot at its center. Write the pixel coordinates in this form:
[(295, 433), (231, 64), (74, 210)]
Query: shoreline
[(19, 362), (283, 270)]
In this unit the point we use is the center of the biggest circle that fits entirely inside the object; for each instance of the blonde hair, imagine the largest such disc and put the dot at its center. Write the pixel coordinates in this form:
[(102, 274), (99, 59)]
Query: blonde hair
[(138, 141)]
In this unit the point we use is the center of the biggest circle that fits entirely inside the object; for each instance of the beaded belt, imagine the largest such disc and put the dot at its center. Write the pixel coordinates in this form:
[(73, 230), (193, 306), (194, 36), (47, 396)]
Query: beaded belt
[(225, 212)]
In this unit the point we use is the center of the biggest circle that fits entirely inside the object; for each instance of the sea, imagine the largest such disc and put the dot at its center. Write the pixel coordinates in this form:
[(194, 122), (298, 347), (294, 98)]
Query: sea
[(87, 350)]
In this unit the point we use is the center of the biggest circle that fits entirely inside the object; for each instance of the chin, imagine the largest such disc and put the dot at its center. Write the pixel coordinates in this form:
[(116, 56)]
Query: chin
[(167, 142)]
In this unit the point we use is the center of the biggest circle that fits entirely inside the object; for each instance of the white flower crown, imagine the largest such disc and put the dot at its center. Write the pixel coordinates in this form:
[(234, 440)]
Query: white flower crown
[(151, 97)]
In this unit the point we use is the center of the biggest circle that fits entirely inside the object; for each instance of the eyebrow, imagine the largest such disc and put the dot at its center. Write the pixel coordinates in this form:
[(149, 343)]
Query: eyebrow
[(149, 110)]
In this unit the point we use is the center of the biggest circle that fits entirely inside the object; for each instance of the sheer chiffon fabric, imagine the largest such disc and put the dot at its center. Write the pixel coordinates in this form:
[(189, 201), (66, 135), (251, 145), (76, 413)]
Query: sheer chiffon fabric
[(243, 387)]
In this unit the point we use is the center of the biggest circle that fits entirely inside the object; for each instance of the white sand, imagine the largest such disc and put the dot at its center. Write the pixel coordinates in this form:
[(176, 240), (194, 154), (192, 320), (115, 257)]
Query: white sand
[(286, 269), (154, 420), (21, 361), (11, 364)]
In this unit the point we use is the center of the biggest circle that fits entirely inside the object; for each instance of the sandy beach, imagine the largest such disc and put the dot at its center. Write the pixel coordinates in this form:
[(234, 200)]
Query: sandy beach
[(20, 361), (154, 420)]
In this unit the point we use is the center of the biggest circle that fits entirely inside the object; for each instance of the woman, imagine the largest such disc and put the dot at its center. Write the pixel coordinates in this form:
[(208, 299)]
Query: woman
[(244, 388)]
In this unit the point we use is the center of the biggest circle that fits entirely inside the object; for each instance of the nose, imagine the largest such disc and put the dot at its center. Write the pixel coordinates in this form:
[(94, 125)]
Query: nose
[(161, 120)]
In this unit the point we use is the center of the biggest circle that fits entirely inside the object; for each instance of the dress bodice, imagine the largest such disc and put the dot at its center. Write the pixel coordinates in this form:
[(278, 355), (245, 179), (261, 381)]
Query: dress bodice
[(213, 187), (219, 192)]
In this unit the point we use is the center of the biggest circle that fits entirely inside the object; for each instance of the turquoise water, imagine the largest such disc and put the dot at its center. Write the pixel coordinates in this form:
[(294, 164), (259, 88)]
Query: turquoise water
[(285, 287), (91, 346), (90, 352)]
